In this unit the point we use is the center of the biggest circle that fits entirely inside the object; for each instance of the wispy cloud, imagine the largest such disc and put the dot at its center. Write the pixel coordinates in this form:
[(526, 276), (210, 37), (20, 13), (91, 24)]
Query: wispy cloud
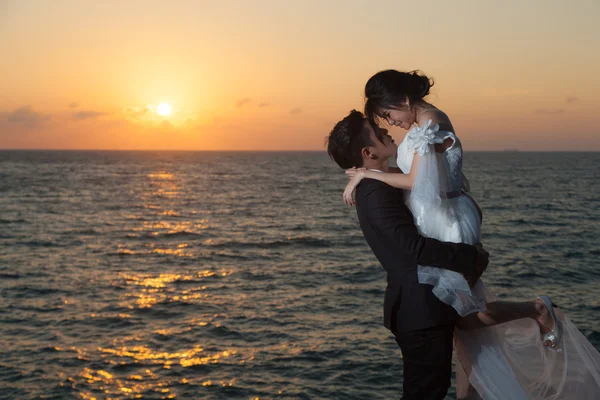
[(261, 105), (136, 111), (74, 104), (243, 102), (296, 110), (88, 114), (549, 111), (27, 116), (571, 99)]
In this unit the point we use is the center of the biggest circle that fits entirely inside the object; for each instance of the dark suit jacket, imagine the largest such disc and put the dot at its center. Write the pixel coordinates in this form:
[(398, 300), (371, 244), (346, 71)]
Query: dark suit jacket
[(390, 231)]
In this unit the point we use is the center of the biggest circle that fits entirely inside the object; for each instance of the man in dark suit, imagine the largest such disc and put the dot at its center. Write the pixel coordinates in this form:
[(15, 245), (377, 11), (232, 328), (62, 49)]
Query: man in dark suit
[(422, 324)]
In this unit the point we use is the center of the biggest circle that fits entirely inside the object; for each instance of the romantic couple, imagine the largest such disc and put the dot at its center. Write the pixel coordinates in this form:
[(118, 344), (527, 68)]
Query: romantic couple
[(425, 230)]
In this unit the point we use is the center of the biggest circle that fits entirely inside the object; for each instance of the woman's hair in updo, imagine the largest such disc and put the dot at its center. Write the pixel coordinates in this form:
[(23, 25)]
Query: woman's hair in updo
[(391, 88)]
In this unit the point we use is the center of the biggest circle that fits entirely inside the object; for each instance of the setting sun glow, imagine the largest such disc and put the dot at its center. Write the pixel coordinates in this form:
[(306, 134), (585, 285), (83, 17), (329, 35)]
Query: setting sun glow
[(162, 79), (164, 109)]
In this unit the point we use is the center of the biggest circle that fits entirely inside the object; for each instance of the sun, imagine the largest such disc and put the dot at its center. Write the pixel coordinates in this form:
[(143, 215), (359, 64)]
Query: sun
[(164, 109)]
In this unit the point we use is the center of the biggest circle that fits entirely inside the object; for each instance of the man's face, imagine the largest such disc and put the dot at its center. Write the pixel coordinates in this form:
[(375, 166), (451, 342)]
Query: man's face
[(388, 148)]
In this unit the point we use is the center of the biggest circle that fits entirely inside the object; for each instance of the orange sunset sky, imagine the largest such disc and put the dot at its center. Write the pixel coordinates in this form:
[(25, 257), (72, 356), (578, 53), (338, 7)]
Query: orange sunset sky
[(277, 75)]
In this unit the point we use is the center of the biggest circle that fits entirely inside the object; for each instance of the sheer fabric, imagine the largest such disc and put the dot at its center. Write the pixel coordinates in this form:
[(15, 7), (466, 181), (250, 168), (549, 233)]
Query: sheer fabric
[(508, 361), (440, 211)]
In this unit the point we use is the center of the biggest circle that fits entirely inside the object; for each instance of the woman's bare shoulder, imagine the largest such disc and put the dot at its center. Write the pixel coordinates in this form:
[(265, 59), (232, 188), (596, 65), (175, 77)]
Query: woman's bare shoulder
[(438, 117)]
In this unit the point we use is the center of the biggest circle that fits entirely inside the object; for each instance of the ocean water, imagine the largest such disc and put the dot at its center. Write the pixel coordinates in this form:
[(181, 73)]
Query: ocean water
[(224, 275)]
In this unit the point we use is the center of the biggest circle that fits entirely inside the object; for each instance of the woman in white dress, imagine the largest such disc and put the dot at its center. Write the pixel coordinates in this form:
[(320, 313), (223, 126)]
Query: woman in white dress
[(528, 350)]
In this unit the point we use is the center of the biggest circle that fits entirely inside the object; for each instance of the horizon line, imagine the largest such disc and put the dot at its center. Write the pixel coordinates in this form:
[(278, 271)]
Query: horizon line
[(292, 151)]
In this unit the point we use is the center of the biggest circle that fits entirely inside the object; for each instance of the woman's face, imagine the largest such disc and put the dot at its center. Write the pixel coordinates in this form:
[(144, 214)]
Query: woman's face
[(404, 118)]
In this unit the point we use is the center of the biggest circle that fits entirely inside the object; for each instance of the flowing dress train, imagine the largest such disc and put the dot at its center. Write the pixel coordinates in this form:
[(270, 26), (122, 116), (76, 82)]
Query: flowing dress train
[(507, 361)]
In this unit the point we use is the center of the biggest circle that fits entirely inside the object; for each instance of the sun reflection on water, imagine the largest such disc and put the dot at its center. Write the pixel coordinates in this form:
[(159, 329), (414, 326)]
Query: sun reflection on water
[(132, 386), (160, 175), (159, 230), (170, 227), (178, 252), (165, 185), (137, 385), (149, 290)]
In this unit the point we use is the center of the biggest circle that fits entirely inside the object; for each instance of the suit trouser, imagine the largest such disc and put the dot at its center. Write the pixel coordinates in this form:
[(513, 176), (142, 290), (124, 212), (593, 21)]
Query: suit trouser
[(427, 358)]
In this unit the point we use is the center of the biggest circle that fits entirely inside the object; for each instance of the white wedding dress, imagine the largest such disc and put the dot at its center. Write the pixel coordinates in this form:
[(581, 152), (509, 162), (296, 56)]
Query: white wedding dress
[(507, 361)]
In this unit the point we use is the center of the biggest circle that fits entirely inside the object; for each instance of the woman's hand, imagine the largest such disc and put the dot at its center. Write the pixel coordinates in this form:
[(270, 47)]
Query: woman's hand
[(353, 171), (356, 175)]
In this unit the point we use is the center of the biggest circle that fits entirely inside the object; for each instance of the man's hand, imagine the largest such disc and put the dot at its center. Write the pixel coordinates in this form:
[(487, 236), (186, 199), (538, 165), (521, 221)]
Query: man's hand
[(481, 263)]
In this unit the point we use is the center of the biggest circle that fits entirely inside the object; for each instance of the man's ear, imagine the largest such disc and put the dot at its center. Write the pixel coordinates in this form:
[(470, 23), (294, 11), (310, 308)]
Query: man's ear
[(367, 153)]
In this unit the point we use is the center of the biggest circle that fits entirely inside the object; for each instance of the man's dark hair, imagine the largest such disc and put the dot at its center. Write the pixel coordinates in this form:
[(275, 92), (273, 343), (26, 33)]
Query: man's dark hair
[(347, 139)]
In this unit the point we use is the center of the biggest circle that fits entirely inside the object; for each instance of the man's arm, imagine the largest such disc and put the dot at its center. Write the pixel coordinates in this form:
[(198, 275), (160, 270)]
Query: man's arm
[(388, 215)]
